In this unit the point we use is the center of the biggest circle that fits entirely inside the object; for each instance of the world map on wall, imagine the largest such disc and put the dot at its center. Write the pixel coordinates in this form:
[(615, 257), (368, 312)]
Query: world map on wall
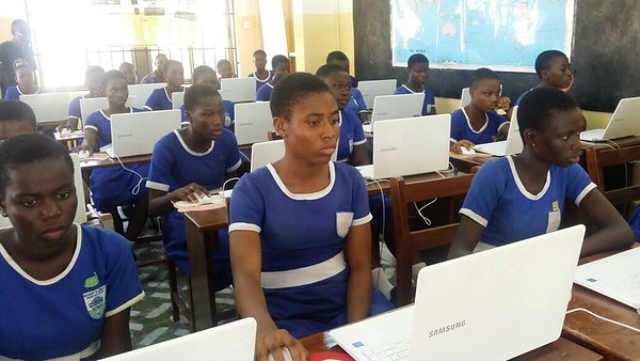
[(505, 35)]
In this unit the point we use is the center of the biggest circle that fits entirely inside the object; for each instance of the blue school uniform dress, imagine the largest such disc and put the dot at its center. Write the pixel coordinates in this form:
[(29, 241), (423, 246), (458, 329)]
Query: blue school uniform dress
[(64, 316), (114, 186), (498, 201), (304, 272), (229, 114), (159, 100), (357, 103), (351, 134), (174, 165), (74, 111), (261, 82), (264, 93), (13, 93), (429, 105), (522, 96), (461, 127)]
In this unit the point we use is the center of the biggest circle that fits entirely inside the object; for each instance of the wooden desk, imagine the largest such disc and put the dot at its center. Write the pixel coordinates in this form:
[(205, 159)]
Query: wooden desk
[(90, 163), (469, 163), (562, 349)]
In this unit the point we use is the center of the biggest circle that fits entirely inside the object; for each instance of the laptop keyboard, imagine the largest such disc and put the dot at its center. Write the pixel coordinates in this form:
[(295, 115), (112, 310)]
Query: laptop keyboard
[(396, 351)]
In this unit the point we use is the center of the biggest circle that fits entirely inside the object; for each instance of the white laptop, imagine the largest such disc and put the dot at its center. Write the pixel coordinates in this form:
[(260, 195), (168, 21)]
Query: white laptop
[(137, 133), (409, 146), (264, 153), (233, 341), (492, 305), (48, 107), (253, 122), (617, 277), (177, 99), (465, 97), (239, 90), (139, 93), (397, 106), (370, 89), (623, 123), (513, 144)]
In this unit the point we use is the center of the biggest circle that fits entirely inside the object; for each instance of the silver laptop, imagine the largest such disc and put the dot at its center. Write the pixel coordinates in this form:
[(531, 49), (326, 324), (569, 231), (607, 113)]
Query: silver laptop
[(492, 305), (177, 99), (623, 123), (465, 97), (48, 107), (232, 341), (409, 146), (370, 89), (137, 133), (397, 106), (253, 122), (139, 93), (238, 90), (513, 144), (264, 153)]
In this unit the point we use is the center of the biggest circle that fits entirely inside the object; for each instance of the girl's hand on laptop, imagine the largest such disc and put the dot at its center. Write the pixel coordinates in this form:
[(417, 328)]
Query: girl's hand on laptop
[(86, 149), (273, 342), (189, 193), (457, 146)]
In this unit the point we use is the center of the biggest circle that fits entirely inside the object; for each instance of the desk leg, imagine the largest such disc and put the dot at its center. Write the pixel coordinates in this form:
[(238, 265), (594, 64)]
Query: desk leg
[(203, 305)]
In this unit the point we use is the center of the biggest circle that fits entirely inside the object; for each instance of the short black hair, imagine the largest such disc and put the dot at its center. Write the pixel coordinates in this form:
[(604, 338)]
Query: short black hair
[(112, 75), (259, 51), (194, 93), (291, 89), (482, 74), (29, 148), (201, 71), (277, 60), (539, 104), (222, 61), (544, 59), (337, 55), (13, 110), (171, 62), (126, 63), (94, 69), (329, 70), (16, 23), (417, 59), (161, 55)]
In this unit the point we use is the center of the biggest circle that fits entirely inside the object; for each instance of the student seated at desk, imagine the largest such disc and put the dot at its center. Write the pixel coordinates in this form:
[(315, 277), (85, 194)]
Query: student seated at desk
[(160, 73), (356, 103), (225, 69), (554, 70), (517, 197), (205, 75), (261, 74), (16, 118), (25, 82), (160, 99), (67, 289), (129, 72), (115, 185), (418, 68), (93, 81), (299, 228), (280, 66), (478, 122), (185, 165)]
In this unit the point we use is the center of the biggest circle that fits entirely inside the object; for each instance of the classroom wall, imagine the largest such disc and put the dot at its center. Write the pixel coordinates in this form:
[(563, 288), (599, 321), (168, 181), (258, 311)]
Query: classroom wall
[(248, 33), (9, 11), (605, 55)]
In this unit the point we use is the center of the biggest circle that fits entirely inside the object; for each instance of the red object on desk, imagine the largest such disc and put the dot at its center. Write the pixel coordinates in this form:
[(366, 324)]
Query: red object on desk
[(329, 355)]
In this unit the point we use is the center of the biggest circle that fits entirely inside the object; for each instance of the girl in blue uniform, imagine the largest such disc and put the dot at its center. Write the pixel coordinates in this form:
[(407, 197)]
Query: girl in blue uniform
[(204, 75), (116, 185), (522, 196), (356, 103), (25, 80), (280, 66), (66, 289), (478, 122), (186, 164), (16, 118), (299, 228), (554, 70), (261, 74), (160, 99), (93, 82), (225, 69), (418, 68)]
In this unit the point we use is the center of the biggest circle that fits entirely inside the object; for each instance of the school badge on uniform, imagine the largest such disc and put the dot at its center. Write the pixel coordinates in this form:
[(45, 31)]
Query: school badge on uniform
[(95, 301)]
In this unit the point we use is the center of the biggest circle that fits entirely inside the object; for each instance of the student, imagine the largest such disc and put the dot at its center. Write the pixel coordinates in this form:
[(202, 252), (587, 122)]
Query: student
[(225, 69), (280, 66), (19, 47), (522, 196), (299, 229), (25, 82), (261, 74), (418, 68), (160, 99), (67, 289), (16, 118), (356, 103), (158, 75), (478, 122), (185, 165), (554, 70), (129, 72), (116, 185), (93, 82), (205, 75)]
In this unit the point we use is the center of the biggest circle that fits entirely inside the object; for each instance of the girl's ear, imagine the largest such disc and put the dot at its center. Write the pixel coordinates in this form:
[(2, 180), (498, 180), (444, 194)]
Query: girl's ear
[(279, 124)]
